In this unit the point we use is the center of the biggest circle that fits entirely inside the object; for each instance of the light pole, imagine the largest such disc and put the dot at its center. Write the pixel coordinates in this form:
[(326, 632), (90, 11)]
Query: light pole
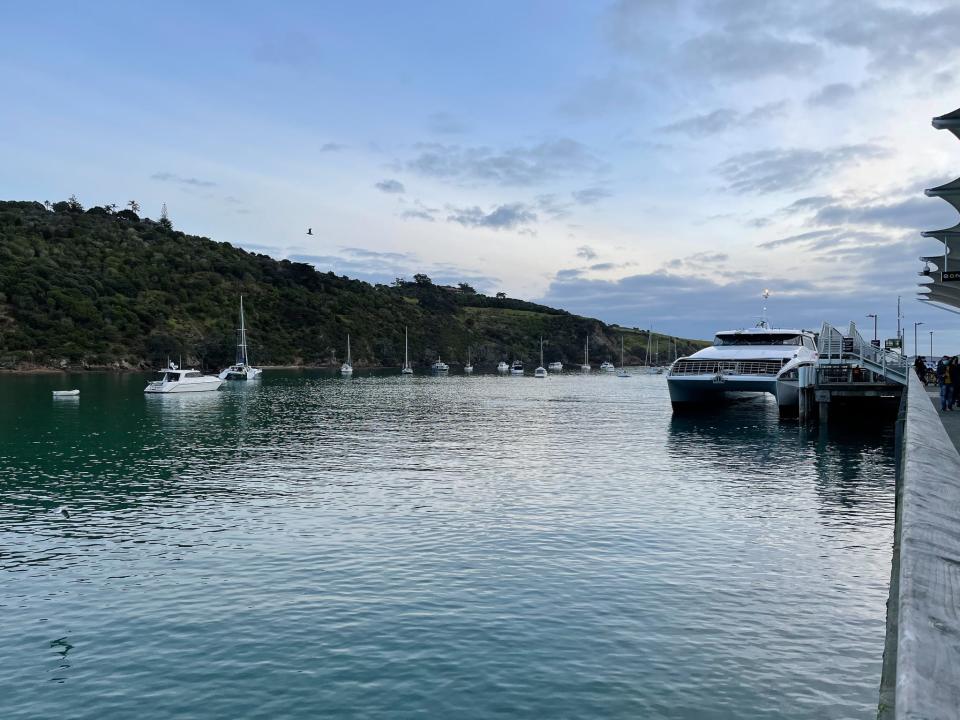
[(916, 350), (874, 316), (931, 344), (899, 317)]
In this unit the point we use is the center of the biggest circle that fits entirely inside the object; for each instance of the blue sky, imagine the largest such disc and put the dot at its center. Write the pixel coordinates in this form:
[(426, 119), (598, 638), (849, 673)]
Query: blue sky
[(644, 162)]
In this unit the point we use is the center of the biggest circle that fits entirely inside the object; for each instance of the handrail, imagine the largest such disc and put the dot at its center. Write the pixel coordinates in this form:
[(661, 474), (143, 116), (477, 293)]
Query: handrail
[(891, 365)]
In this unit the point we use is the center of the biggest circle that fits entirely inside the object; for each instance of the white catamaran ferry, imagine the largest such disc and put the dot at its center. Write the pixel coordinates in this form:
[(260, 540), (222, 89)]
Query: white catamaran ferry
[(758, 360)]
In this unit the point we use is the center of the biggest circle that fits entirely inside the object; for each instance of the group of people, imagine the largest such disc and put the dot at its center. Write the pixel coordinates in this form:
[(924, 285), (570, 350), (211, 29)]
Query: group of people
[(948, 379)]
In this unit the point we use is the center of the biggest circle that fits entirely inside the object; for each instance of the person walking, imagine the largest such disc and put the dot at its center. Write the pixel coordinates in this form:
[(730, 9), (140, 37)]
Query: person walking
[(920, 367), (943, 381), (953, 375)]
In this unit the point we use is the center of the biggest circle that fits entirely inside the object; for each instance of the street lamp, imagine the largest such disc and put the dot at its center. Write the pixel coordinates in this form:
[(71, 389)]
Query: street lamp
[(916, 350), (874, 316), (931, 344)]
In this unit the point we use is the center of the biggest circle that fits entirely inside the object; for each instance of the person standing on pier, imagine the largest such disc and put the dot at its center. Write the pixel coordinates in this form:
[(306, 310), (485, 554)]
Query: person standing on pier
[(943, 381), (920, 367), (953, 378)]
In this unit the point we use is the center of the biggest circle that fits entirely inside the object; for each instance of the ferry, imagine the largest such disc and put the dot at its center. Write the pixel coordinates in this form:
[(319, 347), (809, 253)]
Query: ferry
[(174, 380), (759, 360)]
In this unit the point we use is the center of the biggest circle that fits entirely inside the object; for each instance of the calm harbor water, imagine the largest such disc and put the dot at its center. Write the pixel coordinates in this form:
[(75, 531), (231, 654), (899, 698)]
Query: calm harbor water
[(460, 547)]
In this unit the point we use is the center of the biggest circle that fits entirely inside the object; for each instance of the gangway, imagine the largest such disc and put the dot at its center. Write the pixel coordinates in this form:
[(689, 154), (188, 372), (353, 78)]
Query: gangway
[(849, 350)]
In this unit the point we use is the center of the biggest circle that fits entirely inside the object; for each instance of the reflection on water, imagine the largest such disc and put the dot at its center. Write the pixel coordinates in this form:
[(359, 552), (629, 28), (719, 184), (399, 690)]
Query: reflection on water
[(440, 547)]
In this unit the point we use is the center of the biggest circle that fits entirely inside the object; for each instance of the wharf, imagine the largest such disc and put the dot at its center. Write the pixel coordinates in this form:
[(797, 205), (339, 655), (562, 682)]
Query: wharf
[(949, 418)]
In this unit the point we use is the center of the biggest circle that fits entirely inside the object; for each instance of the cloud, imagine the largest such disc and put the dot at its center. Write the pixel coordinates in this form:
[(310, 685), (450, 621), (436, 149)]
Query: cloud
[(179, 179), (390, 186), (332, 147), (777, 170), (517, 166), (832, 94), (590, 195), (811, 202), (918, 213), (552, 206), (586, 252), (723, 119), (735, 55), (501, 217), (702, 261), (417, 215), (797, 239), (443, 123), (605, 94)]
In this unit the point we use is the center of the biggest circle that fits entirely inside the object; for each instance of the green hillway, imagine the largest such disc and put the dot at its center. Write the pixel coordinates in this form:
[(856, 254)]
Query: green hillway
[(102, 288)]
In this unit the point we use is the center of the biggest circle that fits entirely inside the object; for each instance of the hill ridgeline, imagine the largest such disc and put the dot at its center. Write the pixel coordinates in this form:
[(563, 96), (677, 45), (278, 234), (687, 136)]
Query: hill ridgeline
[(102, 288)]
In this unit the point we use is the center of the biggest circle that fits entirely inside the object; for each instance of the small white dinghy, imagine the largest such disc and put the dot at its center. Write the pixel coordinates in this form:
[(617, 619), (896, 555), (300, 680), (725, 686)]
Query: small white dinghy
[(65, 393)]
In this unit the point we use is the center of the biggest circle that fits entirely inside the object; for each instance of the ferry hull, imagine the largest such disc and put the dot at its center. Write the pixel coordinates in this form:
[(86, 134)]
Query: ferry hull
[(692, 391)]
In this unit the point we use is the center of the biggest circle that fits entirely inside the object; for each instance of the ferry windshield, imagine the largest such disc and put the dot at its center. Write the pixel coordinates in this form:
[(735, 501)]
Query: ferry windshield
[(758, 339)]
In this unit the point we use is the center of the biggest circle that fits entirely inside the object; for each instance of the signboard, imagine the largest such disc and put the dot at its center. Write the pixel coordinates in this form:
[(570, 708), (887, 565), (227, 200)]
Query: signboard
[(950, 276), (848, 345), (891, 343), (875, 343)]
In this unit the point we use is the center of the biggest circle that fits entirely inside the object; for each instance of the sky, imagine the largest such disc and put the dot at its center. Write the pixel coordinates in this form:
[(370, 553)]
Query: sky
[(646, 162)]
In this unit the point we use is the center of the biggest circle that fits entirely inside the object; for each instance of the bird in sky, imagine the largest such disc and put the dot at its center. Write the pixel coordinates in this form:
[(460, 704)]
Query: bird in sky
[(310, 231)]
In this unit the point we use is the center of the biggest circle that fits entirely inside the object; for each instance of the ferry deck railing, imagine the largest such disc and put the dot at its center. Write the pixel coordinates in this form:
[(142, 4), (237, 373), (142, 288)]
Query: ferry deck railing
[(839, 349)]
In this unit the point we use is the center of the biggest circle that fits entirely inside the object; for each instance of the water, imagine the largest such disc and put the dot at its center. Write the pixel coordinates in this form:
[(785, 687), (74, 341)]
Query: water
[(476, 547)]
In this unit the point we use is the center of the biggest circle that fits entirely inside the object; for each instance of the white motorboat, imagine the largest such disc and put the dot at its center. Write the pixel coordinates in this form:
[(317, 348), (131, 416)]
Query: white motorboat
[(758, 360), (555, 366), (241, 369), (622, 371), (541, 371), (347, 367), (406, 369), (174, 380), (516, 368), (65, 393), (502, 367), (439, 367), (607, 366), (586, 356)]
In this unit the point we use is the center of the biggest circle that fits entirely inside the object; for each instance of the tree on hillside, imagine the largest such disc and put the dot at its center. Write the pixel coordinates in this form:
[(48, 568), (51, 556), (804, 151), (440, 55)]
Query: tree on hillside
[(501, 296), (466, 289), (48, 205), (73, 205), (111, 208), (134, 206), (422, 279), (165, 218)]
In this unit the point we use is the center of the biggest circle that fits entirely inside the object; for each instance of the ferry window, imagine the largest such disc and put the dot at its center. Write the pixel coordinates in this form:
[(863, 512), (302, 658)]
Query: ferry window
[(758, 339), (808, 343)]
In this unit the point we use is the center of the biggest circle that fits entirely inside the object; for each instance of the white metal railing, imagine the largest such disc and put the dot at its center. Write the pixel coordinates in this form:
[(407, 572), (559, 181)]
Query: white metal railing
[(727, 367), (835, 348)]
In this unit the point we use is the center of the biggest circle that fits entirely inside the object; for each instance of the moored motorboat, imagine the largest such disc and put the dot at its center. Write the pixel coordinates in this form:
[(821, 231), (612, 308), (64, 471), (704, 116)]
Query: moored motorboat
[(174, 380), (502, 367), (439, 367), (607, 366), (516, 368), (555, 366), (65, 393)]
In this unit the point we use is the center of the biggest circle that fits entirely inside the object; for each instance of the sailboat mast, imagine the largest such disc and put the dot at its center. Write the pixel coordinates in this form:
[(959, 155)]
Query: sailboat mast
[(621, 352), (242, 346), (649, 338), (406, 361), (349, 362), (541, 351)]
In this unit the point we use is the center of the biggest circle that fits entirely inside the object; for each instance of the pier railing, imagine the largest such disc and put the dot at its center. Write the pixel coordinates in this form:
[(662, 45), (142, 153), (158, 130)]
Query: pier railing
[(839, 348)]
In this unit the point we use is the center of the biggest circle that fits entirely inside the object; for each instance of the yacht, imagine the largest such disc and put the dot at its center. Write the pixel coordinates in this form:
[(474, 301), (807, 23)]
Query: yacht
[(622, 372), (541, 371), (586, 356), (439, 367), (241, 369), (759, 360), (406, 369), (607, 366), (516, 368), (502, 367), (555, 366), (347, 367), (174, 380)]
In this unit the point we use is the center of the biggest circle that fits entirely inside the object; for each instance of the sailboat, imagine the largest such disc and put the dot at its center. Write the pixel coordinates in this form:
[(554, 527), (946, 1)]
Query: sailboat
[(347, 367), (241, 369), (540, 372), (622, 372), (406, 370), (468, 368), (647, 367), (586, 355)]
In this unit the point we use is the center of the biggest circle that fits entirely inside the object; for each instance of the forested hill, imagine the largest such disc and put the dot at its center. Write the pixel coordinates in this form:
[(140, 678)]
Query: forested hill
[(106, 288)]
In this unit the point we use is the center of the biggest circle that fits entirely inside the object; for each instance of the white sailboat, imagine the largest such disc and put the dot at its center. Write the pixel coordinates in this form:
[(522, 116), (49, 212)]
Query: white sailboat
[(347, 367), (541, 371), (647, 367), (406, 369), (241, 369), (468, 368), (586, 356), (622, 372)]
